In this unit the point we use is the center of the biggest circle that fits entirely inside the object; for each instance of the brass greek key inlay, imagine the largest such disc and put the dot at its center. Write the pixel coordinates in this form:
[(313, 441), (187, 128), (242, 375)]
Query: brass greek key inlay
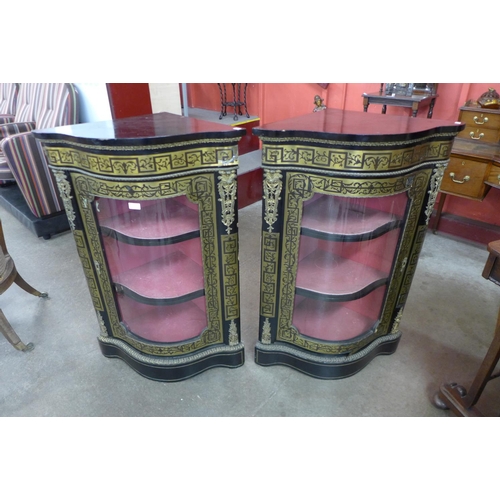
[(227, 193), (338, 158), (230, 276), (88, 270), (272, 190), (142, 165), (269, 276)]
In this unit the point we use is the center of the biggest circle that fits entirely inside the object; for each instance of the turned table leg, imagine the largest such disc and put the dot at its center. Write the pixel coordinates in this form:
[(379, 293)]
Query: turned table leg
[(9, 333), (455, 397)]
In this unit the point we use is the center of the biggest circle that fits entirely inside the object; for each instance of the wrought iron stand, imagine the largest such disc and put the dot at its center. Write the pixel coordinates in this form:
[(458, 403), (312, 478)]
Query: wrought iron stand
[(236, 103)]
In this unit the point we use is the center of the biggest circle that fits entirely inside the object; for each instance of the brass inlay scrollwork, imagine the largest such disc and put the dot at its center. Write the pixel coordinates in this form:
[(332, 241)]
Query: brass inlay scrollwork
[(435, 184), (64, 154), (364, 157), (102, 325), (272, 191), (233, 334), (397, 321), (266, 332), (227, 193), (65, 190)]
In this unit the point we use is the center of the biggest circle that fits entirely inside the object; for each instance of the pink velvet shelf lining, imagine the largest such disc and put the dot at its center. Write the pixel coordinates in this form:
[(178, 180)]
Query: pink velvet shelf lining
[(150, 222), (330, 321), (326, 273), (165, 323), (173, 275), (324, 217)]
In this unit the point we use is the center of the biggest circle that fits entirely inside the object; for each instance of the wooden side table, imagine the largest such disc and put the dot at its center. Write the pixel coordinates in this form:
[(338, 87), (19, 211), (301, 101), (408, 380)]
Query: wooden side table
[(454, 396), (415, 102)]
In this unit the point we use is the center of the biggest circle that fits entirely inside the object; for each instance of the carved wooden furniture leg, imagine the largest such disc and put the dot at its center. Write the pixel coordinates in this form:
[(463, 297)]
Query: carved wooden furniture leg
[(19, 281), (366, 103), (11, 335), (9, 275), (455, 397), (431, 108)]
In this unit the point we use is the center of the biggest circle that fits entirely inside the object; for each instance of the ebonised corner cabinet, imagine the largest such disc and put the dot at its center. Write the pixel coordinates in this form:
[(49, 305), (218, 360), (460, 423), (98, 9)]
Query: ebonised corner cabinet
[(347, 197), (151, 202)]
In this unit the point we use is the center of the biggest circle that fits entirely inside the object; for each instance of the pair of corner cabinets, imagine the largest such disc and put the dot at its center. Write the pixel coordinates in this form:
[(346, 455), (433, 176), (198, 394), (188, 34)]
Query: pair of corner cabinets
[(151, 201)]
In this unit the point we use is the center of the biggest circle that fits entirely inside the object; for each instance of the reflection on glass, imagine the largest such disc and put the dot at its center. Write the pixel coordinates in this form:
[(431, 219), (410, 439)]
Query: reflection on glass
[(346, 252), (153, 251)]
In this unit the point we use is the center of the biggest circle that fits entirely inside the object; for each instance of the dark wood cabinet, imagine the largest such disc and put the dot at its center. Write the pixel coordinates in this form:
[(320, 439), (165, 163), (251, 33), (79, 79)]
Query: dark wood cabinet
[(151, 202), (347, 197)]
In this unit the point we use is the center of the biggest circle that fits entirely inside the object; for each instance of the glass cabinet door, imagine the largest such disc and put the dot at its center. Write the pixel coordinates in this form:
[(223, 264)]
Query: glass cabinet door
[(346, 252), (154, 257)]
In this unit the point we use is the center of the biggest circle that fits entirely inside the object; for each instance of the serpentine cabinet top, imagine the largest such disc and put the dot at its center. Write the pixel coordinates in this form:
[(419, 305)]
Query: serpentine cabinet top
[(158, 128), (334, 124)]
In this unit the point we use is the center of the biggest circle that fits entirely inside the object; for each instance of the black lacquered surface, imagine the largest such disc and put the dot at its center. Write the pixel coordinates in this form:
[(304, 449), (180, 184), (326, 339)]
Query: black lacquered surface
[(146, 129), (335, 124)]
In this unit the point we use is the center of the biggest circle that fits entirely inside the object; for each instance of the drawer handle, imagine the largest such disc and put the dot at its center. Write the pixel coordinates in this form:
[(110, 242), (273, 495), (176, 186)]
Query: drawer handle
[(465, 179), (481, 135), (485, 120)]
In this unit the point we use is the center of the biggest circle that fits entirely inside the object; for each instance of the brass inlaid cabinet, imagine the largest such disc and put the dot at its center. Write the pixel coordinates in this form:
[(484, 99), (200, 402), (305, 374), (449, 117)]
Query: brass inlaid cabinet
[(151, 202), (347, 198)]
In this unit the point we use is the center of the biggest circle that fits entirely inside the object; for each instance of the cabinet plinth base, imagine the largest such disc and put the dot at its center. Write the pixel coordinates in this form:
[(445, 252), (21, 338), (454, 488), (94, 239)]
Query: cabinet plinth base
[(324, 367), (173, 369)]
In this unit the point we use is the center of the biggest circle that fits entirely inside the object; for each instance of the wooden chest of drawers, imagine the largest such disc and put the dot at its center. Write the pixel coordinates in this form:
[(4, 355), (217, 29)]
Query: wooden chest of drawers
[(465, 177), (493, 178), (480, 124), (473, 168)]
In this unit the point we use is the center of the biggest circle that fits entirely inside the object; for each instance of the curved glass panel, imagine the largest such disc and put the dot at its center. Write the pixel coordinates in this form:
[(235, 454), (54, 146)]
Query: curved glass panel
[(153, 252), (346, 254)]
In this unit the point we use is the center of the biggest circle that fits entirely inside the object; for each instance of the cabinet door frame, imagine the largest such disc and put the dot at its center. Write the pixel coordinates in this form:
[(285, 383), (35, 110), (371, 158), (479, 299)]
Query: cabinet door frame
[(219, 250), (285, 192)]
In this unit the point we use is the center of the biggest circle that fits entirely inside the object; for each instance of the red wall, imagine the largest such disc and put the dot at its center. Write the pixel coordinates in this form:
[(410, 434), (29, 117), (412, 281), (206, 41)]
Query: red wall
[(278, 101)]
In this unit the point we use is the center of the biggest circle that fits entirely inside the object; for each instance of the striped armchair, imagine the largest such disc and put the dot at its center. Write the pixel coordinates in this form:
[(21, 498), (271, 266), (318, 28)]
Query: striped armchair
[(8, 101), (39, 106)]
